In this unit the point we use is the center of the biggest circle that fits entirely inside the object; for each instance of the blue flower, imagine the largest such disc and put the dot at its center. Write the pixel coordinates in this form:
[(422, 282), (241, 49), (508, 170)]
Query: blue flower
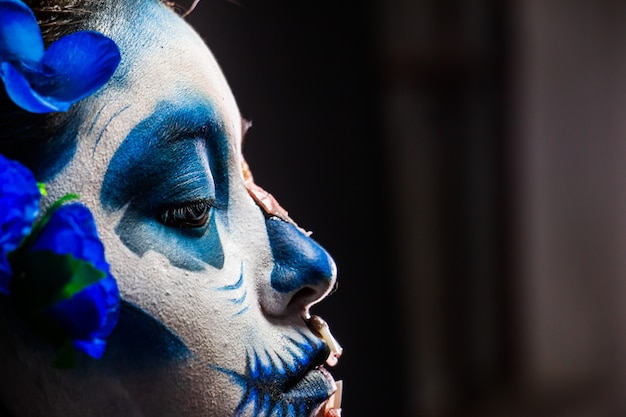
[(86, 306), (42, 81), (19, 206)]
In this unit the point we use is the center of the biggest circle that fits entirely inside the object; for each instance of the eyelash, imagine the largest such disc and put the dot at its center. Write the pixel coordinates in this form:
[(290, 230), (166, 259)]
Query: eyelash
[(188, 215)]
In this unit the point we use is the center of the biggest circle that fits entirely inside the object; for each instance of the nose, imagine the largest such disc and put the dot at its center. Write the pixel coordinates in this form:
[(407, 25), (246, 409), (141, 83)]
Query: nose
[(303, 271)]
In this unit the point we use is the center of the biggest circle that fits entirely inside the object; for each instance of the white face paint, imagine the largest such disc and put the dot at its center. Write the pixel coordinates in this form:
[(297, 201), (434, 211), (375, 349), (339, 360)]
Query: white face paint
[(214, 289)]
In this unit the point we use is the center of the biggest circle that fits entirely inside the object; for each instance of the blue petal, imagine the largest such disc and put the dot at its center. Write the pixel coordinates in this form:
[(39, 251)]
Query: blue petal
[(20, 37), (71, 229), (22, 94), (19, 206), (82, 62), (92, 313), (93, 348), (73, 68), (89, 316)]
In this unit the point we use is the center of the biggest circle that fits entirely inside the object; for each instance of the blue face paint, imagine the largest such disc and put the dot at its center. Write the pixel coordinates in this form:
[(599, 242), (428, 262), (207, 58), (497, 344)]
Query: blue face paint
[(284, 386), (173, 160), (237, 294), (143, 341), (298, 260), (236, 286)]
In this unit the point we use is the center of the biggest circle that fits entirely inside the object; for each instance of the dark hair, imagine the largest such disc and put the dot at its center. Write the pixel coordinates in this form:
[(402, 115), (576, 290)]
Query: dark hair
[(59, 17)]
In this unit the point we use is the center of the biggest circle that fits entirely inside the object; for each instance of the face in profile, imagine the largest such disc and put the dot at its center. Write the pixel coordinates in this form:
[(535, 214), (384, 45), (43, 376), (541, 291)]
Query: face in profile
[(214, 284)]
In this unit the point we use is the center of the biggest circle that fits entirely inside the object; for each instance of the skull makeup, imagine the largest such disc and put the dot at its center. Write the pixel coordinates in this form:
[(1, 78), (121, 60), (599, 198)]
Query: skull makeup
[(215, 284)]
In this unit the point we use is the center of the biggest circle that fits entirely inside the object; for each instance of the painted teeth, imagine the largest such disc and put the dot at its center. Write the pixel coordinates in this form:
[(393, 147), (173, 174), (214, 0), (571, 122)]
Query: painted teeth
[(320, 328), (333, 405), (336, 403)]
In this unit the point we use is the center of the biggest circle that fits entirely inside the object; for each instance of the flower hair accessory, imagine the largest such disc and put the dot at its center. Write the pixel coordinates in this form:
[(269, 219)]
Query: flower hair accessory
[(42, 81), (52, 267)]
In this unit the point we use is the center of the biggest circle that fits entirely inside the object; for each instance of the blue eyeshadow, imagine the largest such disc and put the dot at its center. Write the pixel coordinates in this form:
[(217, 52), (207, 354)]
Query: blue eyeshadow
[(175, 156)]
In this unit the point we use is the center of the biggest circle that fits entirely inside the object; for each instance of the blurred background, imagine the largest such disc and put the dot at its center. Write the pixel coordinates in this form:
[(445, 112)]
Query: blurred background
[(464, 161)]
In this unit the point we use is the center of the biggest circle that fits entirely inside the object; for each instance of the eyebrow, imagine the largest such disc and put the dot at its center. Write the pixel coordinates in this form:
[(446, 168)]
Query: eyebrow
[(171, 123)]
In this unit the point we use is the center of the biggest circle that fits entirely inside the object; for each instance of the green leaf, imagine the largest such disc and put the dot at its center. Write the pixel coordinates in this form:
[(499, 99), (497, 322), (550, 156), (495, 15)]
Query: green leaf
[(46, 277), (39, 225), (83, 275), (42, 189)]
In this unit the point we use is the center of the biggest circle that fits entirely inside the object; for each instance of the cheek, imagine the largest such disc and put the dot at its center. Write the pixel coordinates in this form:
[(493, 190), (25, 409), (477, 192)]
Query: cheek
[(202, 307), (164, 367)]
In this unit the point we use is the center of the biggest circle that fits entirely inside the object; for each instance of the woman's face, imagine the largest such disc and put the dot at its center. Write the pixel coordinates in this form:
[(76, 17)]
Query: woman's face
[(214, 289)]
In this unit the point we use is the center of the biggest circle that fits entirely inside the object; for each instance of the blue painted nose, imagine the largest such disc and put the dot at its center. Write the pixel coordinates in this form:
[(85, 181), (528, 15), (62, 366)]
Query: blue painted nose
[(299, 261)]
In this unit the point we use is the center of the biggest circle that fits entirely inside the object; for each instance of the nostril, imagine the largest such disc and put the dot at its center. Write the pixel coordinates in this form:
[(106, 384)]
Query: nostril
[(303, 298)]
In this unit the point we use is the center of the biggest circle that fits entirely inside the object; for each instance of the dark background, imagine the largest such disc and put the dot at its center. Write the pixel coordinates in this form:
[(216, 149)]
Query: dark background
[(463, 162)]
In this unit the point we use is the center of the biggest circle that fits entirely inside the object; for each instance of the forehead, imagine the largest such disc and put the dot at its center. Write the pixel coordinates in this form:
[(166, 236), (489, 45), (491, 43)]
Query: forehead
[(163, 60)]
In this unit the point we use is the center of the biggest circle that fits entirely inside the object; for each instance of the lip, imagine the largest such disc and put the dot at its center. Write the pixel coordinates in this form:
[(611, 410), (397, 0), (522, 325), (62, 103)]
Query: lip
[(311, 388), (316, 384), (294, 385)]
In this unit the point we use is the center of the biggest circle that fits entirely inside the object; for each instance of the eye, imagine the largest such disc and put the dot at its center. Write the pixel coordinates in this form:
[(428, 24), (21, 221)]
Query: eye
[(188, 215)]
